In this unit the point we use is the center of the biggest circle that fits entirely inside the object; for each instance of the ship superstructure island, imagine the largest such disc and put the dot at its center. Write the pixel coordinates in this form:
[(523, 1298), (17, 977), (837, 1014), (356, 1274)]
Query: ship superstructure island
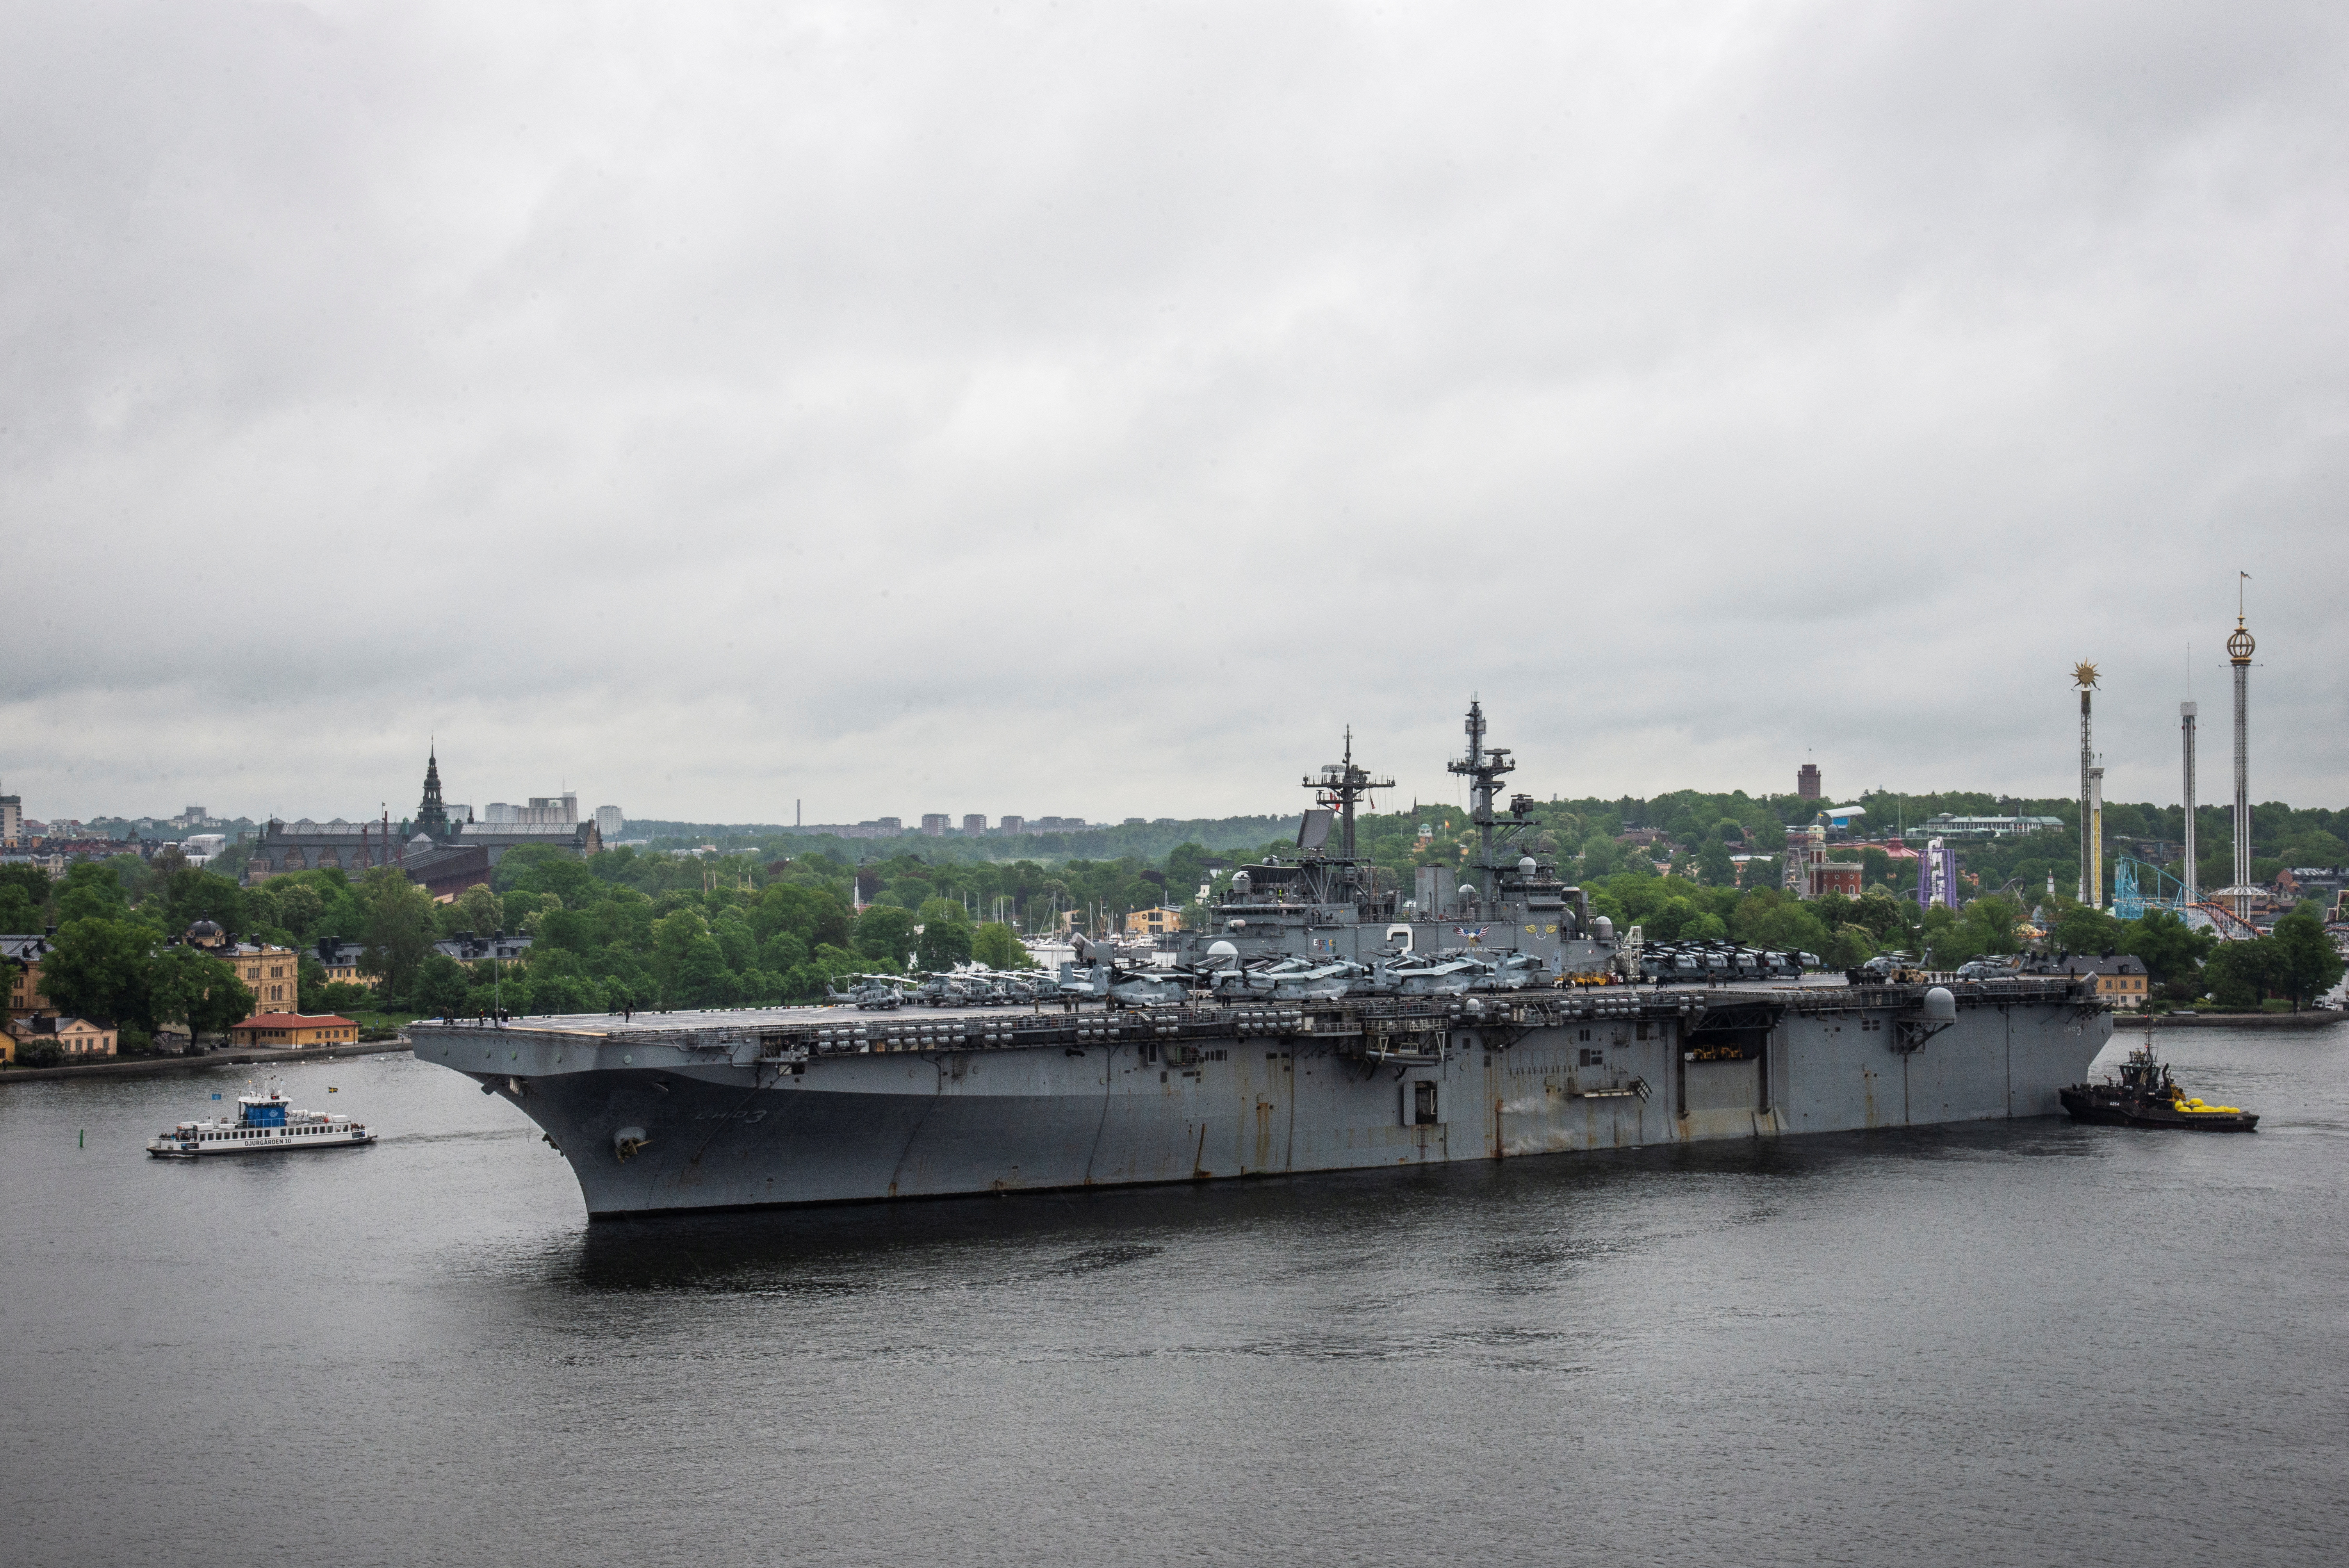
[(1326, 1021)]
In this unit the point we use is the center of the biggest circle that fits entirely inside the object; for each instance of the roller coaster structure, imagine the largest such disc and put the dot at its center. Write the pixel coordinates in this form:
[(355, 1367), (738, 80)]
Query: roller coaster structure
[(2130, 901)]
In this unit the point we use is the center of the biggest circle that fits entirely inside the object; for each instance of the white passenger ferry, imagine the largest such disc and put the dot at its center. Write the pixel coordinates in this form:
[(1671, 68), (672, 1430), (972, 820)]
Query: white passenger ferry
[(266, 1123)]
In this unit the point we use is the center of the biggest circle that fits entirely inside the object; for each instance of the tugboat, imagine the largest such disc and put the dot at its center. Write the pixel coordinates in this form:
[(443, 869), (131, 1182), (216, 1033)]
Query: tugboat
[(2146, 1096), (266, 1123)]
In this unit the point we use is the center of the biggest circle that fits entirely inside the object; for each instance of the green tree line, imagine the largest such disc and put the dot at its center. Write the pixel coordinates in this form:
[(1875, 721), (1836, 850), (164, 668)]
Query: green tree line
[(111, 956)]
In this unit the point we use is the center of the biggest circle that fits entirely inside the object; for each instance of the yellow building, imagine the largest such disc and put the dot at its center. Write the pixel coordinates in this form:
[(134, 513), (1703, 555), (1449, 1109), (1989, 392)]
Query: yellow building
[(273, 973), (298, 1030), (77, 1040), (2125, 990), (340, 960), (1154, 922), (2120, 976), (24, 954)]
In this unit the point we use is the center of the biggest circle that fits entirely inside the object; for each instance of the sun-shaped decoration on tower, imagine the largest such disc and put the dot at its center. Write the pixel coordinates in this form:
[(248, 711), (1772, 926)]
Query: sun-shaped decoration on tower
[(2084, 675), (2239, 644)]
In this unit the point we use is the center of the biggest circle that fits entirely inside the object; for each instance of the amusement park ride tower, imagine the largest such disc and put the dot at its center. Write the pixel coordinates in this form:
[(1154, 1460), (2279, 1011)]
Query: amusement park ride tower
[(2186, 712), (2092, 803), (2240, 648)]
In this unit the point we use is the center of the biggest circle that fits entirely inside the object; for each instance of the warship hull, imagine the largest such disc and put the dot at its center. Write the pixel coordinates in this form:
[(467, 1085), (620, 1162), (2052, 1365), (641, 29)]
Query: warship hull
[(674, 1112)]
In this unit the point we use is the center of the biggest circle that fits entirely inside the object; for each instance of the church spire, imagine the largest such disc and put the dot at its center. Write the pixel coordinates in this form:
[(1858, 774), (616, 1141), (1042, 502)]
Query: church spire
[(432, 817)]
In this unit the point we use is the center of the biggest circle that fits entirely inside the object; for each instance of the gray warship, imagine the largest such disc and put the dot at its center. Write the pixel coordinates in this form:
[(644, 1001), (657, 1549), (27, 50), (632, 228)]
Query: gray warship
[(1326, 1021)]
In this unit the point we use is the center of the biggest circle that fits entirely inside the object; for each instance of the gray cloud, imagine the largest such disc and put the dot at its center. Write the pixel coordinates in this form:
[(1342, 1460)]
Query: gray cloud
[(1092, 411)]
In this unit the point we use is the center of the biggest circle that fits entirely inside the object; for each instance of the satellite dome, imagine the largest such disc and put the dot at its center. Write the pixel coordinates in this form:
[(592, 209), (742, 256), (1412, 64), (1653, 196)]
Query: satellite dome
[(1222, 950), (1527, 867), (1941, 1007), (1467, 893), (1241, 882)]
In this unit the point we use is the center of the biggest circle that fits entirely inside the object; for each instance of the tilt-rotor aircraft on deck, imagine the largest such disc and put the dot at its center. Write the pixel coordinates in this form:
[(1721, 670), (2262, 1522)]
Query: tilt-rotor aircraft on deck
[(1462, 1030)]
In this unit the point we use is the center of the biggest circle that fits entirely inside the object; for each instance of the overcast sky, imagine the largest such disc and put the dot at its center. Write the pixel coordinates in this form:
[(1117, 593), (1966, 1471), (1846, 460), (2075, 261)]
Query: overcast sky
[(1090, 410)]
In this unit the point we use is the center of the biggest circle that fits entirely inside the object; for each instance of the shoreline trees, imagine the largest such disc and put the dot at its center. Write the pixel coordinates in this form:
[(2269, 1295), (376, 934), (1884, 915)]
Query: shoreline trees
[(640, 929)]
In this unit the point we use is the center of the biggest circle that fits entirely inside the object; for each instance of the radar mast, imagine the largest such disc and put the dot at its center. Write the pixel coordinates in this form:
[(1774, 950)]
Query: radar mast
[(1483, 767), (1342, 784)]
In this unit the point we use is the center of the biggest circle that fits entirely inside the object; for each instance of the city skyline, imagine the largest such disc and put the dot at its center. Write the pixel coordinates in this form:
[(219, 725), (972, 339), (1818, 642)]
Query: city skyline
[(956, 823)]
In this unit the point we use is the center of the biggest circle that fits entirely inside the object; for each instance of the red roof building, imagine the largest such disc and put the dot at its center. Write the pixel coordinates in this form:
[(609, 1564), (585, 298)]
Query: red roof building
[(295, 1030)]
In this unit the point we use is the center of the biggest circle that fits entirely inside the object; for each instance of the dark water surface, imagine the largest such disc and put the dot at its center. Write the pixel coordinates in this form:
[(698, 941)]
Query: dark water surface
[(2026, 1343)]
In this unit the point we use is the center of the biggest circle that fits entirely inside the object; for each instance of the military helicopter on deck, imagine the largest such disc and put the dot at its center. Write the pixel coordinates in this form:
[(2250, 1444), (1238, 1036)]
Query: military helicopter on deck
[(1507, 970), (872, 993), (1098, 974), (952, 988), (1011, 986), (1129, 987), (1420, 974), (1718, 962), (1289, 979), (976, 985)]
